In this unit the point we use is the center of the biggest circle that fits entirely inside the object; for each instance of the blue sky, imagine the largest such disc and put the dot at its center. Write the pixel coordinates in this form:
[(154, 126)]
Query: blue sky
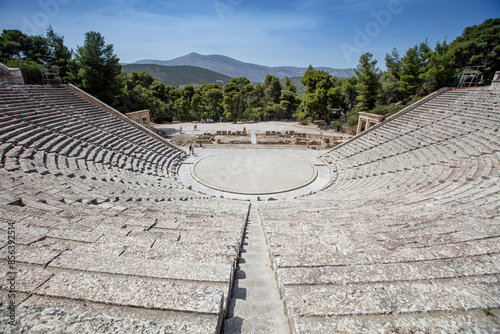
[(274, 33)]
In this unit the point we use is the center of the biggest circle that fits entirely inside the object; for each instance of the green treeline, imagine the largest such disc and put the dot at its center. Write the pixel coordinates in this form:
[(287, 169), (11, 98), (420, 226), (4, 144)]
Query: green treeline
[(422, 69)]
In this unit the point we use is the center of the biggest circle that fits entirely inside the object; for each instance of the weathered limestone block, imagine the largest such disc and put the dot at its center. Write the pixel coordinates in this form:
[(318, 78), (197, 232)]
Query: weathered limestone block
[(171, 269), (31, 254), (40, 314), (25, 278), (433, 322), (122, 291), (409, 271), (395, 297), (185, 252)]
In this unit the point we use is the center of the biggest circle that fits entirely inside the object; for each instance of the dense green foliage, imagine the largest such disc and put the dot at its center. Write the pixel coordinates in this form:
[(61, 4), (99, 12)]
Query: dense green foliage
[(320, 96), (317, 95), (478, 45), (289, 101), (419, 71), (141, 91), (234, 95), (369, 84), (31, 53), (29, 68), (98, 68), (179, 75)]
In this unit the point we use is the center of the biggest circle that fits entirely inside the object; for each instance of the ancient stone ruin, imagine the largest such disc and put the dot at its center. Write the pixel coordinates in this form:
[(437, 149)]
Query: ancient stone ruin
[(100, 236)]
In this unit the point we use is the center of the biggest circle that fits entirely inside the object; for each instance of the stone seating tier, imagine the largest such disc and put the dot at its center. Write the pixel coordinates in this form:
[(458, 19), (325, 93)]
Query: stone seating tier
[(419, 248), (405, 237), (97, 209)]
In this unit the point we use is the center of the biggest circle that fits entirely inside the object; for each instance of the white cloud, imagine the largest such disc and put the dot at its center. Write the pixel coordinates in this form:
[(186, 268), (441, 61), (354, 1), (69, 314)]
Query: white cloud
[(165, 30), (138, 35), (276, 33)]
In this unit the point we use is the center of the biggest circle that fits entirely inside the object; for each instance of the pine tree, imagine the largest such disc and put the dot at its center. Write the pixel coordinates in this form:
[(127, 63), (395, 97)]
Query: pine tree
[(414, 66), (392, 88), (317, 101), (289, 101), (369, 84), (98, 68), (440, 72), (234, 94)]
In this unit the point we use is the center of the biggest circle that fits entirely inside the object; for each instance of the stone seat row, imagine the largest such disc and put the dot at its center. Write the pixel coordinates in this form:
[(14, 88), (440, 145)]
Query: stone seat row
[(74, 105), (77, 153), (62, 147), (456, 181), (99, 254), (89, 181), (98, 249), (465, 145), (79, 132), (349, 271), (32, 138), (112, 124), (443, 127), (99, 216), (407, 236), (97, 181)]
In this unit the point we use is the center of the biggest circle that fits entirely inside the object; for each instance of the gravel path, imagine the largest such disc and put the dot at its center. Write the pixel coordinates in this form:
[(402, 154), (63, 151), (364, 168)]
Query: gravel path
[(257, 127)]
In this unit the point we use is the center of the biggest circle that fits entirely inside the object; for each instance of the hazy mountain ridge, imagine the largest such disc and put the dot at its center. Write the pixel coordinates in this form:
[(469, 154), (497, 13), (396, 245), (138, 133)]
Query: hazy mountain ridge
[(235, 68), (179, 75)]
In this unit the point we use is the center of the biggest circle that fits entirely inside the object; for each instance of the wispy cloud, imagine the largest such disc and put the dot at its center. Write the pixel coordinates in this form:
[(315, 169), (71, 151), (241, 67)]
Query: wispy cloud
[(281, 32), (139, 34)]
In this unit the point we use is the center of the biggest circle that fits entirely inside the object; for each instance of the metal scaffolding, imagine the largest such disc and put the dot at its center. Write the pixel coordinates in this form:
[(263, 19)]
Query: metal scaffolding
[(471, 76), (50, 76)]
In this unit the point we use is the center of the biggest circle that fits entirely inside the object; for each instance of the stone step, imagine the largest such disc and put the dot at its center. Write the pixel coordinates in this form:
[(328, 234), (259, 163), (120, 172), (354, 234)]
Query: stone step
[(474, 321), (67, 315), (449, 295), (122, 291)]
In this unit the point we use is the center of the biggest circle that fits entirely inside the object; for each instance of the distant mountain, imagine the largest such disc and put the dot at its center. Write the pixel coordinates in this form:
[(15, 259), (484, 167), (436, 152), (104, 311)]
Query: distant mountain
[(235, 68), (179, 76)]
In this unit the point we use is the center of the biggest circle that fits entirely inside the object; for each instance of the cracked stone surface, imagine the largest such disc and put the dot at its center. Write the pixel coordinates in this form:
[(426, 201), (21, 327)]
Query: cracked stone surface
[(399, 232)]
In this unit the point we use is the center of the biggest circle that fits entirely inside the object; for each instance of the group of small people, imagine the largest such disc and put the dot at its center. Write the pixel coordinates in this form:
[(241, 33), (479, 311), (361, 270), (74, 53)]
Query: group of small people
[(195, 128)]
